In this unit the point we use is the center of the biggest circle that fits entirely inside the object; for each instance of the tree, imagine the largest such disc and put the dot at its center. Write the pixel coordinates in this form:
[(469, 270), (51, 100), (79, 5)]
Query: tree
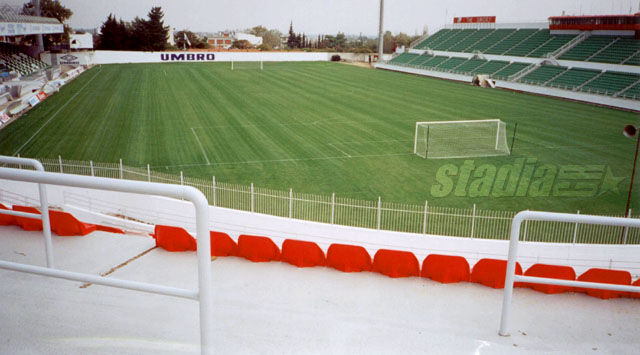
[(292, 41), (51, 8), (140, 35), (259, 31), (156, 30), (114, 35), (241, 44), (272, 38)]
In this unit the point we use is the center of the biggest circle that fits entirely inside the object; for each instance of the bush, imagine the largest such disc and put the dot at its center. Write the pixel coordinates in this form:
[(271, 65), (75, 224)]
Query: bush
[(335, 58)]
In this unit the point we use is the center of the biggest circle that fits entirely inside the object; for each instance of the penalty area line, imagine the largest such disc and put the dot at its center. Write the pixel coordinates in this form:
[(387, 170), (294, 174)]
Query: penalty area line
[(201, 147), (57, 112), (342, 151)]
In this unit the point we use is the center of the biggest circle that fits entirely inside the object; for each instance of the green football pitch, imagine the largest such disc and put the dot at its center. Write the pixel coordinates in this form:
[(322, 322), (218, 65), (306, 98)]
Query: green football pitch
[(328, 127)]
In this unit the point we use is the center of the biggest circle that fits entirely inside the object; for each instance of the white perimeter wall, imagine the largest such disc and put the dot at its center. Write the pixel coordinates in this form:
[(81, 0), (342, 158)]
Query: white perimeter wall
[(121, 57), (92, 206)]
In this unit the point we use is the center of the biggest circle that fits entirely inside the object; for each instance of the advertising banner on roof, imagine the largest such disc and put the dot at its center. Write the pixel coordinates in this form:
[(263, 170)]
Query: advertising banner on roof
[(475, 19)]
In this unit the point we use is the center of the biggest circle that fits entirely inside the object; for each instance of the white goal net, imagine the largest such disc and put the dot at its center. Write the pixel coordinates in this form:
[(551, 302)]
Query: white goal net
[(460, 139), (252, 65)]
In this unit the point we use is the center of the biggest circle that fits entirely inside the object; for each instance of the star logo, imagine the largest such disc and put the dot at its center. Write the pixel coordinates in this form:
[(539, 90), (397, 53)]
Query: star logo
[(610, 182)]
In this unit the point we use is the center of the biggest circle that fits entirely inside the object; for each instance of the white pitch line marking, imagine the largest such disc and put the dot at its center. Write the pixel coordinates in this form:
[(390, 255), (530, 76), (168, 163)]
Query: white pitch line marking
[(342, 151), (201, 147), (283, 160), (57, 112)]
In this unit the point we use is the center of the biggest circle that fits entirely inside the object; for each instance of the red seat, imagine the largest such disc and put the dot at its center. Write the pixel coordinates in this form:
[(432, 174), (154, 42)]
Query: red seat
[(6, 220), (492, 272), (445, 268), (258, 249), (28, 224), (64, 224), (174, 239), (551, 272), (617, 277), (395, 263), (302, 254), (222, 244), (348, 258)]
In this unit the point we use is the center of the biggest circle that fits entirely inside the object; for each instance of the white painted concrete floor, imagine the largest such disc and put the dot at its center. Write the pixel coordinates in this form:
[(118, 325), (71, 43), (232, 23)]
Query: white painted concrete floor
[(275, 308)]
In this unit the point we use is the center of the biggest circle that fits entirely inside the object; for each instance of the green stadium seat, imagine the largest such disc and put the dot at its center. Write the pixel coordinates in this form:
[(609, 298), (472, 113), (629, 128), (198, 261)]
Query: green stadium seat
[(543, 74), (573, 78), (611, 83), (509, 70)]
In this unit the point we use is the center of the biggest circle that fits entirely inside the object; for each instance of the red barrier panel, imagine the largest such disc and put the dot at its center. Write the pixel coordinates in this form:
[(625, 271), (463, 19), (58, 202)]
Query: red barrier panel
[(394, 263), (64, 224), (552, 272), (109, 229), (258, 249), (491, 272), (6, 220), (302, 254), (348, 258), (445, 268), (174, 239), (605, 276), (635, 294), (28, 224), (222, 244)]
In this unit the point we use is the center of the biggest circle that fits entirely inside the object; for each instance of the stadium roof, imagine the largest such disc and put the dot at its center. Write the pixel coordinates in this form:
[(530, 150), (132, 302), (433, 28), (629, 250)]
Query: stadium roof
[(14, 23)]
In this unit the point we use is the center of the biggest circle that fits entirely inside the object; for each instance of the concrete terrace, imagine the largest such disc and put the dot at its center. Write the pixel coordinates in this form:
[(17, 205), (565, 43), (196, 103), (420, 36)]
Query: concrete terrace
[(276, 308)]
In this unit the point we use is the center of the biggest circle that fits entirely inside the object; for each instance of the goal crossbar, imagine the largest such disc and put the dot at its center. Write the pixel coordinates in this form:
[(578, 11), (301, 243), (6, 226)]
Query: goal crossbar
[(444, 140)]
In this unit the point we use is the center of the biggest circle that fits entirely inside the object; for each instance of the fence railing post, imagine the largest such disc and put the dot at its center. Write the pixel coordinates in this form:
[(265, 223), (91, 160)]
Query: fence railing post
[(60, 163), (473, 220), (148, 173), (424, 221), (626, 229), (524, 232), (93, 172), (121, 170), (333, 207), (214, 190), (290, 202), (251, 197), (379, 210), (575, 231), (19, 164), (181, 178)]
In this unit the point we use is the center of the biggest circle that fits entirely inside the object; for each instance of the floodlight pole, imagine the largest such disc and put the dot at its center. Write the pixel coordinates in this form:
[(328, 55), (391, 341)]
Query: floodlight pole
[(633, 175), (380, 33)]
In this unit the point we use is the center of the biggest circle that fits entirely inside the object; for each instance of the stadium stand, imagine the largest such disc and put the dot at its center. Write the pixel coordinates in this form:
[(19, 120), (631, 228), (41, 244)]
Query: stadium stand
[(12, 59), (574, 77), (588, 48), (543, 74), (509, 55), (612, 83)]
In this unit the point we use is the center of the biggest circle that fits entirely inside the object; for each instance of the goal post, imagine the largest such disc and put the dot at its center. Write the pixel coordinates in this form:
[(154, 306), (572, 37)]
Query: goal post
[(243, 65), (460, 139)]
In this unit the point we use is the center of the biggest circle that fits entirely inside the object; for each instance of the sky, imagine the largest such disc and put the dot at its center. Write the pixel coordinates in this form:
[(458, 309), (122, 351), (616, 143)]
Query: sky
[(333, 16)]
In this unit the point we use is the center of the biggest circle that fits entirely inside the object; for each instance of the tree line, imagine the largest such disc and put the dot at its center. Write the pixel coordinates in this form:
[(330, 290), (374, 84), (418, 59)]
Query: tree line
[(148, 34)]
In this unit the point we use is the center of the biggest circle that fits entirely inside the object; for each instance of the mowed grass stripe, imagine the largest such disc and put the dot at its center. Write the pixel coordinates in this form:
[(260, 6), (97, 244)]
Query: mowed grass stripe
[(291, 125)]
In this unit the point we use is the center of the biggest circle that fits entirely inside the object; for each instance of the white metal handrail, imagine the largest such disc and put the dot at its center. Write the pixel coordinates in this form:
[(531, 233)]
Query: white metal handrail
[(204, 292), (44, 205), (511, 277)]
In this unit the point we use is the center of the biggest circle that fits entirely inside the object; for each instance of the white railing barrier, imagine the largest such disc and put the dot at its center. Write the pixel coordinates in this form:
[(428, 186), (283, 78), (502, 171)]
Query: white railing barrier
[(204, 292), (511, 277), (44, 205)]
